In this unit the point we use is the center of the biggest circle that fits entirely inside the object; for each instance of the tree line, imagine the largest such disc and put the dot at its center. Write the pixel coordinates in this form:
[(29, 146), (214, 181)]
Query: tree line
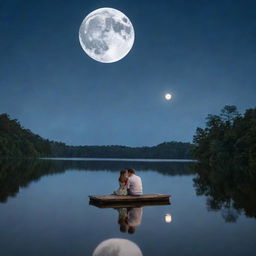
[(228, 138), (16, 141), (226, 172)]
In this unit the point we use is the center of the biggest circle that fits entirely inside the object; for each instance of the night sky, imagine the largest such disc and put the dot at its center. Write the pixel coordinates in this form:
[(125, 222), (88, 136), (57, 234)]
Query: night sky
[(203, 52)]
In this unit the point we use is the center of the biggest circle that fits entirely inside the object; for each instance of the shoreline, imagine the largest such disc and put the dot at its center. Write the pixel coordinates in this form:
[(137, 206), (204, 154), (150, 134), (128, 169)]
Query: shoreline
[(119, 159)]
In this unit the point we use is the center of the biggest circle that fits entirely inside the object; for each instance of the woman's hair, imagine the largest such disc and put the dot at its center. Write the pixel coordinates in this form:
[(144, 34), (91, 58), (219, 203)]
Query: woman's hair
[(123, 177)]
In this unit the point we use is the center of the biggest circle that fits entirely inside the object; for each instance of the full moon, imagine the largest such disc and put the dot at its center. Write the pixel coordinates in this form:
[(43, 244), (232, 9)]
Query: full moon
[(106, 35), (168, 96), (117, 247)]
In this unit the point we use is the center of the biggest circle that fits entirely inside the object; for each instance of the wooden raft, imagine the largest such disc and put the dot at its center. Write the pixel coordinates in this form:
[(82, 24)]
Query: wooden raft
[(146, 199)]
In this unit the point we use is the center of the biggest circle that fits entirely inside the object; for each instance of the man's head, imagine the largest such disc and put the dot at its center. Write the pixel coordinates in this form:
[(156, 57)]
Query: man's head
[(131, 229), (131, 171)]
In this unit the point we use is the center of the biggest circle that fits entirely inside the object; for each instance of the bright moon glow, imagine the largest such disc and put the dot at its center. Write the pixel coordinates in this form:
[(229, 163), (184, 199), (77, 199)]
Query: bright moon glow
[(168, 96), (106, 35), (117, 246), (168, 218)]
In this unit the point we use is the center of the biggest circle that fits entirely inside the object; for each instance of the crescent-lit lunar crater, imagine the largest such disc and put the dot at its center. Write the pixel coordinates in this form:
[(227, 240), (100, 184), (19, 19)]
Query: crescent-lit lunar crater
[(106, 35)]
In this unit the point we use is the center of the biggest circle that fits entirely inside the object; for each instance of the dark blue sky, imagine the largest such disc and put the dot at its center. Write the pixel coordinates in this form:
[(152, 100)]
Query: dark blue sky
[(203, 52)]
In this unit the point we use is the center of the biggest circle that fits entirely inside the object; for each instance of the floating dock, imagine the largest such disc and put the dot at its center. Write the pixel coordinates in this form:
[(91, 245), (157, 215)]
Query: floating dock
[(110, 201)]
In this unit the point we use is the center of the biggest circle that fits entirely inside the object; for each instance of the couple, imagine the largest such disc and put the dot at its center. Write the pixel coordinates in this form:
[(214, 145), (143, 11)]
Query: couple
[(129, 184), (129, 217)]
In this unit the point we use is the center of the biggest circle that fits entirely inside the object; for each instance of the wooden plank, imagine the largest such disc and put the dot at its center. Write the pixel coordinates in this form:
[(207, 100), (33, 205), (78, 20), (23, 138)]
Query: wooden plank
[(120, 199)]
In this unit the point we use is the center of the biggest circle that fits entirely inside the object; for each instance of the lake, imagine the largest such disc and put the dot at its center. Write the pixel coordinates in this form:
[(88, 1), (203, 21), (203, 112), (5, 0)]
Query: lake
[(45, 211)]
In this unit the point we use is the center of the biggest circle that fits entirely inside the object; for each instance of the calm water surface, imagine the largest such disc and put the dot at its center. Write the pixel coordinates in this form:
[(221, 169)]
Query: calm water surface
[(44, 210)]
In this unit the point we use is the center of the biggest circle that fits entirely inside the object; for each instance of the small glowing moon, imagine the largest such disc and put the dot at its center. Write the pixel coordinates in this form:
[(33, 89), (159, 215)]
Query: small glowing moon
[(117, 246), (168, 96), (168, 218), (106, 35)]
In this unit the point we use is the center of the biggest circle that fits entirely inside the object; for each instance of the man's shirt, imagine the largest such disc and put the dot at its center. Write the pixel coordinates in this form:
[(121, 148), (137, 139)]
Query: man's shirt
[(135, 185)]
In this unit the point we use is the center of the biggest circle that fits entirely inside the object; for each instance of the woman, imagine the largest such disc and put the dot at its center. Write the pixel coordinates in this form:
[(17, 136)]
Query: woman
[(122, 220), (123, 184)]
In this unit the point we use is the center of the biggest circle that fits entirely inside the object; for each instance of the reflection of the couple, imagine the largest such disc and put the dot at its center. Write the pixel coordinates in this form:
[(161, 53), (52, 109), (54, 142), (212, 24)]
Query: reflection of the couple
[(129, 218), (130, 214)]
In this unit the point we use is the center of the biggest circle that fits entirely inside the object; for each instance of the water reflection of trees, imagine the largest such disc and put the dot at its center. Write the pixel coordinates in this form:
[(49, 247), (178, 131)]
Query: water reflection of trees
[(19, 173), (228, 188)]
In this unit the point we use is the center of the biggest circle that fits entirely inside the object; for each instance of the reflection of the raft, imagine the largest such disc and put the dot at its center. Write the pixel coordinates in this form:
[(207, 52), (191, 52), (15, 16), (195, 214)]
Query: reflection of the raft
[(129, 214), (128, 204)]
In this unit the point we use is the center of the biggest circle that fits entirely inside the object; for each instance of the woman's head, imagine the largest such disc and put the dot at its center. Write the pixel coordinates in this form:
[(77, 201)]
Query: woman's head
[(123, 175), (123, 224), (123, 172)]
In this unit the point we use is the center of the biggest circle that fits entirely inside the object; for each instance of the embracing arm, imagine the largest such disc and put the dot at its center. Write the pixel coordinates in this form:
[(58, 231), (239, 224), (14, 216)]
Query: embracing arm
[(127, 184)]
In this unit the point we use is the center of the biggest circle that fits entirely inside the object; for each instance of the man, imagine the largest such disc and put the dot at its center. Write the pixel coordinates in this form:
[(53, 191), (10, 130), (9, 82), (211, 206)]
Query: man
[(134, 183)]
